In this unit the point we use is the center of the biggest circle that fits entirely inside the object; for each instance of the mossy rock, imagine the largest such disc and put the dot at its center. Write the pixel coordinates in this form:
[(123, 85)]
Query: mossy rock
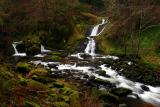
[(43, 79), (55, 53), (102, 73), (58, 85), (121, 91), (100, 81), (32, 44), (38, 72), (55, 58), (107, 96), (32, 84), (33, 50), (23, 81), (64, 98), (23, 68), (31, 104), (61, 104)]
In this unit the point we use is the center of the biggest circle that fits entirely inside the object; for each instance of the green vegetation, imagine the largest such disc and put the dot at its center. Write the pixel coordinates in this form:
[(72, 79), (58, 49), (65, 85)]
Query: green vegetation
[(23, 67)]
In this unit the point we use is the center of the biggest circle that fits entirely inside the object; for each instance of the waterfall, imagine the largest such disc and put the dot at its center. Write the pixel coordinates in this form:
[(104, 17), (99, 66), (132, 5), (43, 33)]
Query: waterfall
[(43, 50), (91, 46), (16, 51)]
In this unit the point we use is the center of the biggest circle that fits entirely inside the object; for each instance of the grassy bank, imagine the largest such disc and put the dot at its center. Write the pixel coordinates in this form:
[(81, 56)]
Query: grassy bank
[(149, 47)]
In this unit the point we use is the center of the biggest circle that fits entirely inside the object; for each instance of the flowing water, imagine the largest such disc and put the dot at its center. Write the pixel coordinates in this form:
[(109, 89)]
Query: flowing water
[(16, 51), (151, 96)]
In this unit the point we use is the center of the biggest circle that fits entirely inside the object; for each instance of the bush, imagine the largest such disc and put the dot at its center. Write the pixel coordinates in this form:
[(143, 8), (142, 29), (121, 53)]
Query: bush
[(23, 68)]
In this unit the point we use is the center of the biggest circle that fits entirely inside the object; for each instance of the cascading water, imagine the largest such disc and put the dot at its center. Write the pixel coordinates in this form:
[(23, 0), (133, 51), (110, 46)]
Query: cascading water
[(16, 51), (43, 50), (91, 46)]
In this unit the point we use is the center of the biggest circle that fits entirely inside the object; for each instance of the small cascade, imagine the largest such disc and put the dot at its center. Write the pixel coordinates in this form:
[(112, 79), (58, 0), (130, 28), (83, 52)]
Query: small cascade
[(43, 50), (16, 51)]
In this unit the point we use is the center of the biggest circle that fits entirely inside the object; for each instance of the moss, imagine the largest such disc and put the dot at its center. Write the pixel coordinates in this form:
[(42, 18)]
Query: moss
[(6, 73), (43, 79), (31, 104), (107, 96), (23, 81), (55, 58), (61, 104), (64, 98), (23, 68), (54, 53), (100, 81), (58, 85), (32, 44), (38, 72), (32, 84), (102, 72)]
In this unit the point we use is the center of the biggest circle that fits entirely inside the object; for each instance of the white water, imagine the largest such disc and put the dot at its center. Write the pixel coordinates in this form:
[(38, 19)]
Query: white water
[(43, 50), (91, 46), (16, 51)]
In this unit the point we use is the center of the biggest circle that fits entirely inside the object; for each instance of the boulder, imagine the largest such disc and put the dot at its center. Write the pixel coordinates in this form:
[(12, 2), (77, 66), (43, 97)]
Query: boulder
[(145, 88), (122, 92)]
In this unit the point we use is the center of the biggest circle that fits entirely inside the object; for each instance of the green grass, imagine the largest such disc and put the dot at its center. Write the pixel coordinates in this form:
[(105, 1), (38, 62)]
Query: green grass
[(148, 50)]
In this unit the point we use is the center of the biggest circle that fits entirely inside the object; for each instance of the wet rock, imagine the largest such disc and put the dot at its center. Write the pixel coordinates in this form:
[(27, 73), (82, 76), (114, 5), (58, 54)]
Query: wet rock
[(86, 76), (121, 91), (86, 56), (91, 78), (53, 66), (106, 96), (145, 88), (102, 82), (44, 80), (21, 48)]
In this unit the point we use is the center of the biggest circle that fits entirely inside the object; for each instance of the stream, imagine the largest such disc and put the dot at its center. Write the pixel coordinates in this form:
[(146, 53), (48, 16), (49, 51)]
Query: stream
[(85, 67)]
